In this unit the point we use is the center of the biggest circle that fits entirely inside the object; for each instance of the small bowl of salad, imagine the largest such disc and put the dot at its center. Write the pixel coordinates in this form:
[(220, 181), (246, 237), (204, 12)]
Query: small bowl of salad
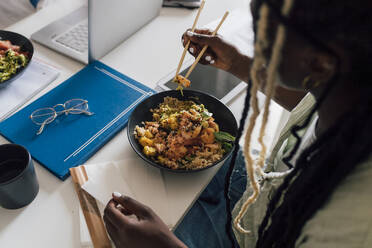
[(15, 55)]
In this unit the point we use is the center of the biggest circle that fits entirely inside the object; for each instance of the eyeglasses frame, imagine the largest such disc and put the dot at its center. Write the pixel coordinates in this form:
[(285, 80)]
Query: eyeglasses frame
[(57, 113)]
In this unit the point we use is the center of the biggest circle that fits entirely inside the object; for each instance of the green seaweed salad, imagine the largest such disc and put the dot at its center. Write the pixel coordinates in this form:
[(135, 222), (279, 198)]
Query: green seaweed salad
[(226, 139), (10, 63)]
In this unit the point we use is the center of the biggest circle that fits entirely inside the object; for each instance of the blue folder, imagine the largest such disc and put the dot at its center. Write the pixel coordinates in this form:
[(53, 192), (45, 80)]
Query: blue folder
[(71, 139)]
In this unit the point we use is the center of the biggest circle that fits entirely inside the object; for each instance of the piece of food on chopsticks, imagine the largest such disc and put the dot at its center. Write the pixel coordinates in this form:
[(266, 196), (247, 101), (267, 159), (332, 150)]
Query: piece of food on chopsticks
[(183, 135), (182, 83), (11, 60), (183, 80)]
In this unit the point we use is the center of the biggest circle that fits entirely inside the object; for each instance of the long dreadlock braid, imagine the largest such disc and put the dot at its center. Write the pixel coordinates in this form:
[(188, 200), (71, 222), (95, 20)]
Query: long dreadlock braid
[(260, 44), (232, 163), (299, 195), (251, 99), (251, 93)]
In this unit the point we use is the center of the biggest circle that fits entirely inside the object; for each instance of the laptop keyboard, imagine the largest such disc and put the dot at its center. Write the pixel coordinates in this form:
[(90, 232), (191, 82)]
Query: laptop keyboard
[(76, 38)]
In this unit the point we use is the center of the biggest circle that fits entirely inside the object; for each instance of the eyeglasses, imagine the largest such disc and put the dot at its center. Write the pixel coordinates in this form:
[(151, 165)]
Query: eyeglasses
[(45, 116)]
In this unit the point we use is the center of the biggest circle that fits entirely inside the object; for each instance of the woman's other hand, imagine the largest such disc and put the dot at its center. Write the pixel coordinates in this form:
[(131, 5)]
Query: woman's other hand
[(132, 224), (220, 53)]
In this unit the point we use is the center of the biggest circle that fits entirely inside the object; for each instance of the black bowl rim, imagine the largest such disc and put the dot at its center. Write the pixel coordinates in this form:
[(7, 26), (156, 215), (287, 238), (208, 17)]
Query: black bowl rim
[(153, 163), (31, 53)]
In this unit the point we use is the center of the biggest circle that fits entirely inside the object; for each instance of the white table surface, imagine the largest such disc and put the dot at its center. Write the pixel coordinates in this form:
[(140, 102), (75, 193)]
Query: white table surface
[(52, 219)]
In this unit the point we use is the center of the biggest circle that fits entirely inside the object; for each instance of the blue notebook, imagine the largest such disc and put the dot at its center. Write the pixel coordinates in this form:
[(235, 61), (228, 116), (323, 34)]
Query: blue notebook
[(71, 139)]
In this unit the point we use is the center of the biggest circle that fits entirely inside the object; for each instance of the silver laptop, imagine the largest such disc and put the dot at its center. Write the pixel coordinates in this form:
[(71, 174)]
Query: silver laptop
[(92, 31)]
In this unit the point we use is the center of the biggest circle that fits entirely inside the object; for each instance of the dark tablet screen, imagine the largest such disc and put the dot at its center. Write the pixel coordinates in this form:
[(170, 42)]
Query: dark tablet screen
[(209, 80)]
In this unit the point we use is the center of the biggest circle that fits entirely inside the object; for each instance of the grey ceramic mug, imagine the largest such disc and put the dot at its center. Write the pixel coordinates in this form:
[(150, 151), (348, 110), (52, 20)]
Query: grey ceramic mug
[(18, 181)]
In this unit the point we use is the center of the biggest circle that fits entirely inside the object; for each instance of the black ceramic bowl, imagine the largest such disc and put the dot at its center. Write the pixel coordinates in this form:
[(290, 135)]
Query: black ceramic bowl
[(221, 113), (25, 46)]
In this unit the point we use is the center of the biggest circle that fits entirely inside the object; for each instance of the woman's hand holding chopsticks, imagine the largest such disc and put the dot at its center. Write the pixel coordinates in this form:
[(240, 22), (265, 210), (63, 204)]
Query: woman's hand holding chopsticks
[(220, 53)]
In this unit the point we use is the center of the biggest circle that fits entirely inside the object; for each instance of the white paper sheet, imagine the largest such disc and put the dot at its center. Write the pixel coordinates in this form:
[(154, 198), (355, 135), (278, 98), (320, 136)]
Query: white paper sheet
[(35, 78), (104, 179), (120, 176)]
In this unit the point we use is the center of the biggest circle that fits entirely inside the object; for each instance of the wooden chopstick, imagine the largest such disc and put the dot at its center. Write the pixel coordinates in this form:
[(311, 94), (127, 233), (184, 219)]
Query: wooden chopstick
[(90, 209), (206, 46), (188, 43)]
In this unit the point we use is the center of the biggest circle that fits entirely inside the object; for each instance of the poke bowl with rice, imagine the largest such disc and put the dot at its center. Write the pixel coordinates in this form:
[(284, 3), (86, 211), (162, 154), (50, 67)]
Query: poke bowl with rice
[(182, 133), (15, 54)]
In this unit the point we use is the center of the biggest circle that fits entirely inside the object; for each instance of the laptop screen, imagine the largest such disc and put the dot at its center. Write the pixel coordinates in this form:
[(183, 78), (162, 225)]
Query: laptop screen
[(112, 22)]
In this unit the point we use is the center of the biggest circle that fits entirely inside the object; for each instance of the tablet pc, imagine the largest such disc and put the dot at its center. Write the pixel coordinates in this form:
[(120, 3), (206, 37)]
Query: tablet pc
[(208, 79)]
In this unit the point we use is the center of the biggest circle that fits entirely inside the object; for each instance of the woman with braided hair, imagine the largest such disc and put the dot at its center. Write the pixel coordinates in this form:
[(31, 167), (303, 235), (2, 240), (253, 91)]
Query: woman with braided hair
[(315, 188)]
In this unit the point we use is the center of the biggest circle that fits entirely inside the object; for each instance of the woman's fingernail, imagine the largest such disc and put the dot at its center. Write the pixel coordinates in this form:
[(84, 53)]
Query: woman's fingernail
[(208, 58), (212, 62), (191, 50), (189, 33), (116, 194)]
